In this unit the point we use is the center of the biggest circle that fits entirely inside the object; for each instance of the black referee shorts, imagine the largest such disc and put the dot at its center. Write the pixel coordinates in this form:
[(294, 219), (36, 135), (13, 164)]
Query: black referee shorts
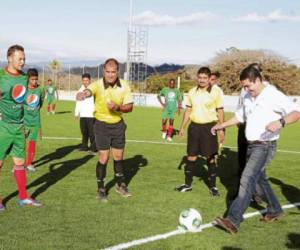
[(201, 141), (109, 135)]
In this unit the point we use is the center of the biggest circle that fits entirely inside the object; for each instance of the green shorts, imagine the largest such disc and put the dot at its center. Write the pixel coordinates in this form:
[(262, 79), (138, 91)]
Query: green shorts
[(168, 114), (12, 140), (51, 100), (32, 133)]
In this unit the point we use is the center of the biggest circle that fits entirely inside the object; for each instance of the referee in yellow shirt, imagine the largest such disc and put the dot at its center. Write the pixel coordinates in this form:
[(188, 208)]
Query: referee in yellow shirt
[(204, 108), (112, 98)]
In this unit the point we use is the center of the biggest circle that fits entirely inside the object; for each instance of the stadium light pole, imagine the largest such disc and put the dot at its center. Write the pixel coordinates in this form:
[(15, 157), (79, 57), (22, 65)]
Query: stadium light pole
[(43, 75), (128, 39), (70, 78)]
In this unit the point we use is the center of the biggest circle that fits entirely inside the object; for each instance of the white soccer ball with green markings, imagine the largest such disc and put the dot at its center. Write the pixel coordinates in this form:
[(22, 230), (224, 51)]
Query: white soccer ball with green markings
[(190, 219)]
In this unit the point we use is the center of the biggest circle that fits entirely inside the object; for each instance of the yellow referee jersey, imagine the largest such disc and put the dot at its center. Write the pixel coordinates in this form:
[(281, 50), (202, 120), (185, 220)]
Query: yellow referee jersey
[(120, 94), (204, 104)]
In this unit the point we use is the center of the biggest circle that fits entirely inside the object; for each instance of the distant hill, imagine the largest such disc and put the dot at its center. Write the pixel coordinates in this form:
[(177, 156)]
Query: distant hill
[(160, 69)]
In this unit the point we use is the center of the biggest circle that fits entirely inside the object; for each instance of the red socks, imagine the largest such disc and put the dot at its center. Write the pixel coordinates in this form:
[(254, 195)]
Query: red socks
[(164, 128), (48, 108), (21, 180), (170, 131), (31, 152)]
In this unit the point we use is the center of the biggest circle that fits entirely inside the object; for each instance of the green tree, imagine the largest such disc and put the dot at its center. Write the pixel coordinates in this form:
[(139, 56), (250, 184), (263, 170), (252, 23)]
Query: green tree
[(276, 69)]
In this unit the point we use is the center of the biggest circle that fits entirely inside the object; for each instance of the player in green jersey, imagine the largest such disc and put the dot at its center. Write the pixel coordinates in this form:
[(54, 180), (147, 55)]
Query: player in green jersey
[(172, 102), (51, 91), (13, 86), (32, 121)]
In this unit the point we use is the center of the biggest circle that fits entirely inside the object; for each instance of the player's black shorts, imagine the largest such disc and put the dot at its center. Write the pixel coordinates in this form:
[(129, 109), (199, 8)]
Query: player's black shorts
[(109, 135), (201, 141)]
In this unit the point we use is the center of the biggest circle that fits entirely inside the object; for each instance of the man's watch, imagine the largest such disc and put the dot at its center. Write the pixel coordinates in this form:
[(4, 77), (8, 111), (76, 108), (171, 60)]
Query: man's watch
[(282, 121)]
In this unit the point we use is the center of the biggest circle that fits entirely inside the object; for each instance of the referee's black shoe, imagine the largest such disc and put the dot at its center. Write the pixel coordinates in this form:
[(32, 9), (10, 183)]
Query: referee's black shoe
[(101, 195), (214, 192), (183, 188)]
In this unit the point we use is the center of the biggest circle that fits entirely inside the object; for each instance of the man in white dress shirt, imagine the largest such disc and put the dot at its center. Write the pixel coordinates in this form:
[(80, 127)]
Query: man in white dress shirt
[(266, 111), (84, 110)]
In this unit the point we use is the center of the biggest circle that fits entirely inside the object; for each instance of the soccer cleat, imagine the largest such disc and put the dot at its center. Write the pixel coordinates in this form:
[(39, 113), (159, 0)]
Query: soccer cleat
[(183, 188), (101, 195), (30, 168), (214, 191), (29, 202), (164, 135), (123, 190), (169, 138)]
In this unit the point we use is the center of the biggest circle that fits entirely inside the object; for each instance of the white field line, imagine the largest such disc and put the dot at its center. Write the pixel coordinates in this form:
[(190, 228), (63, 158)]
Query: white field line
[(180, 231), (157, 142)]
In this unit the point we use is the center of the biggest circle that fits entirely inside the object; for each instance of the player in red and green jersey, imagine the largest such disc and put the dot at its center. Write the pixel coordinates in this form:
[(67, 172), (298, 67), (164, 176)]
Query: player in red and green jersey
[(13, 87), (51, 91), (32, 121), (172, 102)]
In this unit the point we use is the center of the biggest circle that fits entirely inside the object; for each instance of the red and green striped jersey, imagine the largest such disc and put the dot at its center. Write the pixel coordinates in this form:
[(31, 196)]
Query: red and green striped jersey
[(12, 94), (32, 106)]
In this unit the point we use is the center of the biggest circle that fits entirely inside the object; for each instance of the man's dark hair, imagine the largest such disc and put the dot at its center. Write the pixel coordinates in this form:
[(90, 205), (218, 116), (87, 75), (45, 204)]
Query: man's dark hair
[(111, 61), (204, 70), (14, 48), (172, 80), (257, 66), (86, 75), (32, 72), (250, 73), (216, 74)]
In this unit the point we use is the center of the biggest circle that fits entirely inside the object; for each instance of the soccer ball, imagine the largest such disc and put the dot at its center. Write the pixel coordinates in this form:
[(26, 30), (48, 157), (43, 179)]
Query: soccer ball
[(190, 219), (18, 93), (33, 100)]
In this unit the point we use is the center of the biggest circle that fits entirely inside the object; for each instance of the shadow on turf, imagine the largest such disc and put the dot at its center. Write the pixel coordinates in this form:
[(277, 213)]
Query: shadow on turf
[(231, 248), (131, 167), (291, 193), (54, 175), (228, 173), (59, 153), (293, 241), (62, 112), (201, 171)]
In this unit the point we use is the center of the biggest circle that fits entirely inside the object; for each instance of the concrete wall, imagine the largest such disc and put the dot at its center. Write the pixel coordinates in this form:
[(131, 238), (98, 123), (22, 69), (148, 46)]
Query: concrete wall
[(150, 100)]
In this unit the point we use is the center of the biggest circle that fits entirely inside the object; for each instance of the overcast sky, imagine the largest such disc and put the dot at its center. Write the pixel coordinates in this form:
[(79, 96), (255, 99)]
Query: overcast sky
[(180, 31)]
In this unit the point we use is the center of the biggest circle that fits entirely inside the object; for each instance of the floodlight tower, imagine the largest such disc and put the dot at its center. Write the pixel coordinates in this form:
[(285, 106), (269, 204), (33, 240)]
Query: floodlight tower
[(137, 45)]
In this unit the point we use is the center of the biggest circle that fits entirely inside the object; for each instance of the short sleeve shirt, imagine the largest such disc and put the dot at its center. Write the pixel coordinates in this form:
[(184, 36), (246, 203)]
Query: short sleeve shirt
[(120, 95), (50, 91), (204, 104), (11, 104), (32, 106), (172, 97)]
